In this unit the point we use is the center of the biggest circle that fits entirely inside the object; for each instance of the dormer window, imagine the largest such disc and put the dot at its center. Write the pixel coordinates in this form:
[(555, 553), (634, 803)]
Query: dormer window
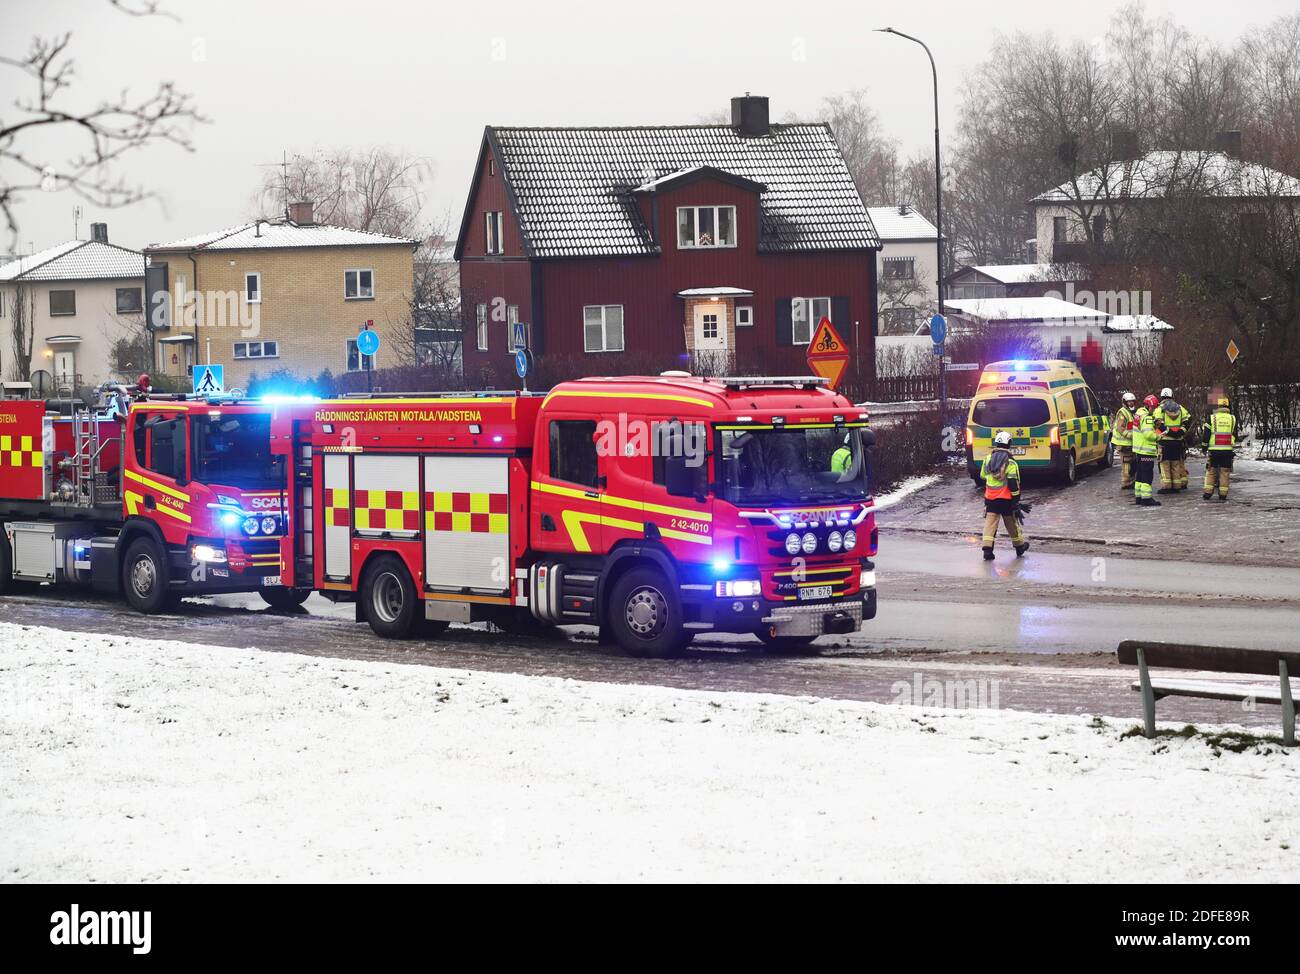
[(701, 227)]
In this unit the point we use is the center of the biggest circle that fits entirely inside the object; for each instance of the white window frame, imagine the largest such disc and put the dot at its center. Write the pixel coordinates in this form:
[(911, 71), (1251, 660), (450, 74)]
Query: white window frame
[(359, 296), (261, 349), (361, 359), (494, 240), (908, 262), (257, 294), (694, 243), (604, 328), (744, 316), (810, 318), (481, 328), (512, 318)]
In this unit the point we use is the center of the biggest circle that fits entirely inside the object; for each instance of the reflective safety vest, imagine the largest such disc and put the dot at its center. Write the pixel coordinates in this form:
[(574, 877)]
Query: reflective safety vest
[(1220, 430), (841, 460), (1120, 432), (998, 487), (1175, 425), (1144, 433)]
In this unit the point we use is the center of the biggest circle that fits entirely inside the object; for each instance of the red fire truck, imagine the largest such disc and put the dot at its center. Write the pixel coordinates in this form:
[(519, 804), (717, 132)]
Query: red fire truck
[(653, 507)]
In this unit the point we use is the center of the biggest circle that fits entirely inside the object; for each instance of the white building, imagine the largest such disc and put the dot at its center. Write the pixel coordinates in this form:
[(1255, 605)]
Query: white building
[(907, 288), (1065, 329), (83, 298)]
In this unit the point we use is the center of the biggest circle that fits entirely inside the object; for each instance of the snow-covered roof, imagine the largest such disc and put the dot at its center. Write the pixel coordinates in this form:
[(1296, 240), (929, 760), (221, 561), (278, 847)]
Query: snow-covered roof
[(280, 235), (1166, 171), (893, 225), (573, 189), (76, 260), (1029, 273), (1036, 309), (715, 292), (1137, 323)]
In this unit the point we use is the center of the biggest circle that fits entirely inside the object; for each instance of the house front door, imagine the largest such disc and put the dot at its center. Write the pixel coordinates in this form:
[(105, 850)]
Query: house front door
[(65, 368), (711, 327)]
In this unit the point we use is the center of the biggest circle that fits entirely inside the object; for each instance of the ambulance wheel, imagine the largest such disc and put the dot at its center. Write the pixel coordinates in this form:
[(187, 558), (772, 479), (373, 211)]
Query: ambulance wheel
[(389, 598), (145, 578), (278, 597), (645, 615), (1108, 458), (1069, 471)]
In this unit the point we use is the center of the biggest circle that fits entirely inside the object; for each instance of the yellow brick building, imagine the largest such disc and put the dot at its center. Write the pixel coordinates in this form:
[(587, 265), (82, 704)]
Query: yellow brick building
[(290, 294)]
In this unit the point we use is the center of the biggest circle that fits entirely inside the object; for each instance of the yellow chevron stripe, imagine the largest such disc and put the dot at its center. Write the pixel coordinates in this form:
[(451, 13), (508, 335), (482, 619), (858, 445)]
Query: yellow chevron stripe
[(161, 488), (622, 502), (171, 512)]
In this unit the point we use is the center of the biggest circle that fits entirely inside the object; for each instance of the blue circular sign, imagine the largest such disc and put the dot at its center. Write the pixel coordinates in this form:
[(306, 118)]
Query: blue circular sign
[(938, 329), (368, 342), (521, 363)]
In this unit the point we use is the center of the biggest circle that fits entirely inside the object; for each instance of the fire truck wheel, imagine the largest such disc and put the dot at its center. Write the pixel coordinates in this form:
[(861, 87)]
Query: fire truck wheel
[(283, 598), (392, 607), (645, 615), (144, 578), (784, 644)]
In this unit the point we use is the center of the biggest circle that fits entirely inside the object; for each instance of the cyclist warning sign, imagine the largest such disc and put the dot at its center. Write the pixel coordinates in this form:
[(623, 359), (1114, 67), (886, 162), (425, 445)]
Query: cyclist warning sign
[(828, 354)]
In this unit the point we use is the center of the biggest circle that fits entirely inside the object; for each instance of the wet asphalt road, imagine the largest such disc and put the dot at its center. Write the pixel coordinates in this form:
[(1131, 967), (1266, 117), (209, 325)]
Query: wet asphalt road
[(1034, 634)]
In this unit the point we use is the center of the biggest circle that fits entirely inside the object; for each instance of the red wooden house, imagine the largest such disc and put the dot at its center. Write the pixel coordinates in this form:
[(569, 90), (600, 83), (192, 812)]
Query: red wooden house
[(705, 246)]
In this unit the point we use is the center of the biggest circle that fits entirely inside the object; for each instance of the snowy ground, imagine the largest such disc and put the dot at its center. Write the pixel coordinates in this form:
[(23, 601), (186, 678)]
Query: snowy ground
[(135, 760)]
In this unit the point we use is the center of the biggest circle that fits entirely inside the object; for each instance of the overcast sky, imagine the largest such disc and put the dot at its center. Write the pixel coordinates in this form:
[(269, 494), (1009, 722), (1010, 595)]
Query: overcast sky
[(279, 77)]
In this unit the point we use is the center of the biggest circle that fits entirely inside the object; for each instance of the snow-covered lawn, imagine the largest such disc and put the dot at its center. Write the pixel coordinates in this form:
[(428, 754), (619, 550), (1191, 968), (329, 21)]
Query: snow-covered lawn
[(133, 760), (904, 490)]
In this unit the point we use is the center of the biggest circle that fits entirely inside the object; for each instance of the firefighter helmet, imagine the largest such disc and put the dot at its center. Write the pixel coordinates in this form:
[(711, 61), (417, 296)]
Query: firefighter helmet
[(1151, 402), (1223, 400), (1129, 397), (1166, 393), (1003, 438)]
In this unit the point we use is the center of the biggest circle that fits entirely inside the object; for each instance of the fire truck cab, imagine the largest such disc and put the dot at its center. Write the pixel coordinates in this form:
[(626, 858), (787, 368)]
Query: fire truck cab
[(653, 507)]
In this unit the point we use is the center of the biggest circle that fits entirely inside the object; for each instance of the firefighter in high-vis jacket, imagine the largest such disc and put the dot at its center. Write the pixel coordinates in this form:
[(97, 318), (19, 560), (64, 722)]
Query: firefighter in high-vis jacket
[(1121, 438), (1171, 421), (1219, 435), (1001, 476), (1144, 452)]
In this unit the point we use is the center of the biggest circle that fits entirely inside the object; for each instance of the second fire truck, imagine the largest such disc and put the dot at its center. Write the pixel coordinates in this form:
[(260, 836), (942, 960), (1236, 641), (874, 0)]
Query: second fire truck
[(653, 507)]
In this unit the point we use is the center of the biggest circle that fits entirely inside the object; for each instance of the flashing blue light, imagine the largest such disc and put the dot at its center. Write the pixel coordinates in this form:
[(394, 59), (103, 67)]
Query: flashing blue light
[(721, 565), (284, 399), (230, 519), (497, 438), (1020, 366)]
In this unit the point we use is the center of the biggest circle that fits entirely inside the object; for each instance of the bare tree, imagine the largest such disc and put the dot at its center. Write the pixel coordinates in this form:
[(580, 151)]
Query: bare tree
[(365, 189), (22, 331), (104, 130)]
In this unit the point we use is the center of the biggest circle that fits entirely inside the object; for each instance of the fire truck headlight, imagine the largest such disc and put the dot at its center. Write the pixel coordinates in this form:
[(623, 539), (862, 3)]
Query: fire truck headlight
[(792, 543), (250, 526), (835, 541), (742, 588), (867, 579), (809, 543), (207, 552), (850, 539), (268, 525)]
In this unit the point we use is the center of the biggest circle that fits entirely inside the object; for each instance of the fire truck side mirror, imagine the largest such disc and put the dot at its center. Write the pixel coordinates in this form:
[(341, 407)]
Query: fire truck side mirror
[(868, 438)]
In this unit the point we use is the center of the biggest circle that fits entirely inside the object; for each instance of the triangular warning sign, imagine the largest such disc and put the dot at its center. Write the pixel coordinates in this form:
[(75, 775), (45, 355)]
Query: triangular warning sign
[(828, 353)]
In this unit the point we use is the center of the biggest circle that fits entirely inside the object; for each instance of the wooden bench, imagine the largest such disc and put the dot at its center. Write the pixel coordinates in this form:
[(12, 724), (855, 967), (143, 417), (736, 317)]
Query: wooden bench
[(1212, 659)]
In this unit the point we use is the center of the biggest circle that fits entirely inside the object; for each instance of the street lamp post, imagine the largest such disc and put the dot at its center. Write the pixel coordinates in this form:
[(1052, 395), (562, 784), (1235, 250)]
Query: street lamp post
[(938, 203)]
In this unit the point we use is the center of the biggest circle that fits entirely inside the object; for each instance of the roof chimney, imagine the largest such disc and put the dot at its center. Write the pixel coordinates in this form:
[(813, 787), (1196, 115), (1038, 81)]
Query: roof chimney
[(904, 209), (1123, 145), (99, 232), (301, 213), (1229, 142), (749, 114)]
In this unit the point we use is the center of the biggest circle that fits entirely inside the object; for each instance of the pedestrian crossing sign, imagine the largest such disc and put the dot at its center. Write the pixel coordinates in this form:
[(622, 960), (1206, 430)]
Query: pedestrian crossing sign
[(209, 380)]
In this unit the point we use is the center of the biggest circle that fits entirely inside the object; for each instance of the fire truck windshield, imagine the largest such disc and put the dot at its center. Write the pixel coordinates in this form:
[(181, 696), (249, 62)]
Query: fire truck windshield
[(772, 467), (234, 449)]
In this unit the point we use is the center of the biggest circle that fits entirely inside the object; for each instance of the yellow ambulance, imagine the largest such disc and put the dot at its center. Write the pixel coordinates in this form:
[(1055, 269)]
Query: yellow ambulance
[(1055, 421)]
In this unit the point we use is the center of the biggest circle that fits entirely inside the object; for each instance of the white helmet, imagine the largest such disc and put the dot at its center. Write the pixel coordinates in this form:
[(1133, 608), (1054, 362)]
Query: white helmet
[(1003, 438), (1129, 397), (1166, 393)]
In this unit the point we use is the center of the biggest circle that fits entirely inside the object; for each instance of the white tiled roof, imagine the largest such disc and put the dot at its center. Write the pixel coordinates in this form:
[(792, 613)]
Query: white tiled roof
[(892, 225), (76, 260), (1137, 323), (1026, 309), (1199, 172), (261, 235), (1029, 273)]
